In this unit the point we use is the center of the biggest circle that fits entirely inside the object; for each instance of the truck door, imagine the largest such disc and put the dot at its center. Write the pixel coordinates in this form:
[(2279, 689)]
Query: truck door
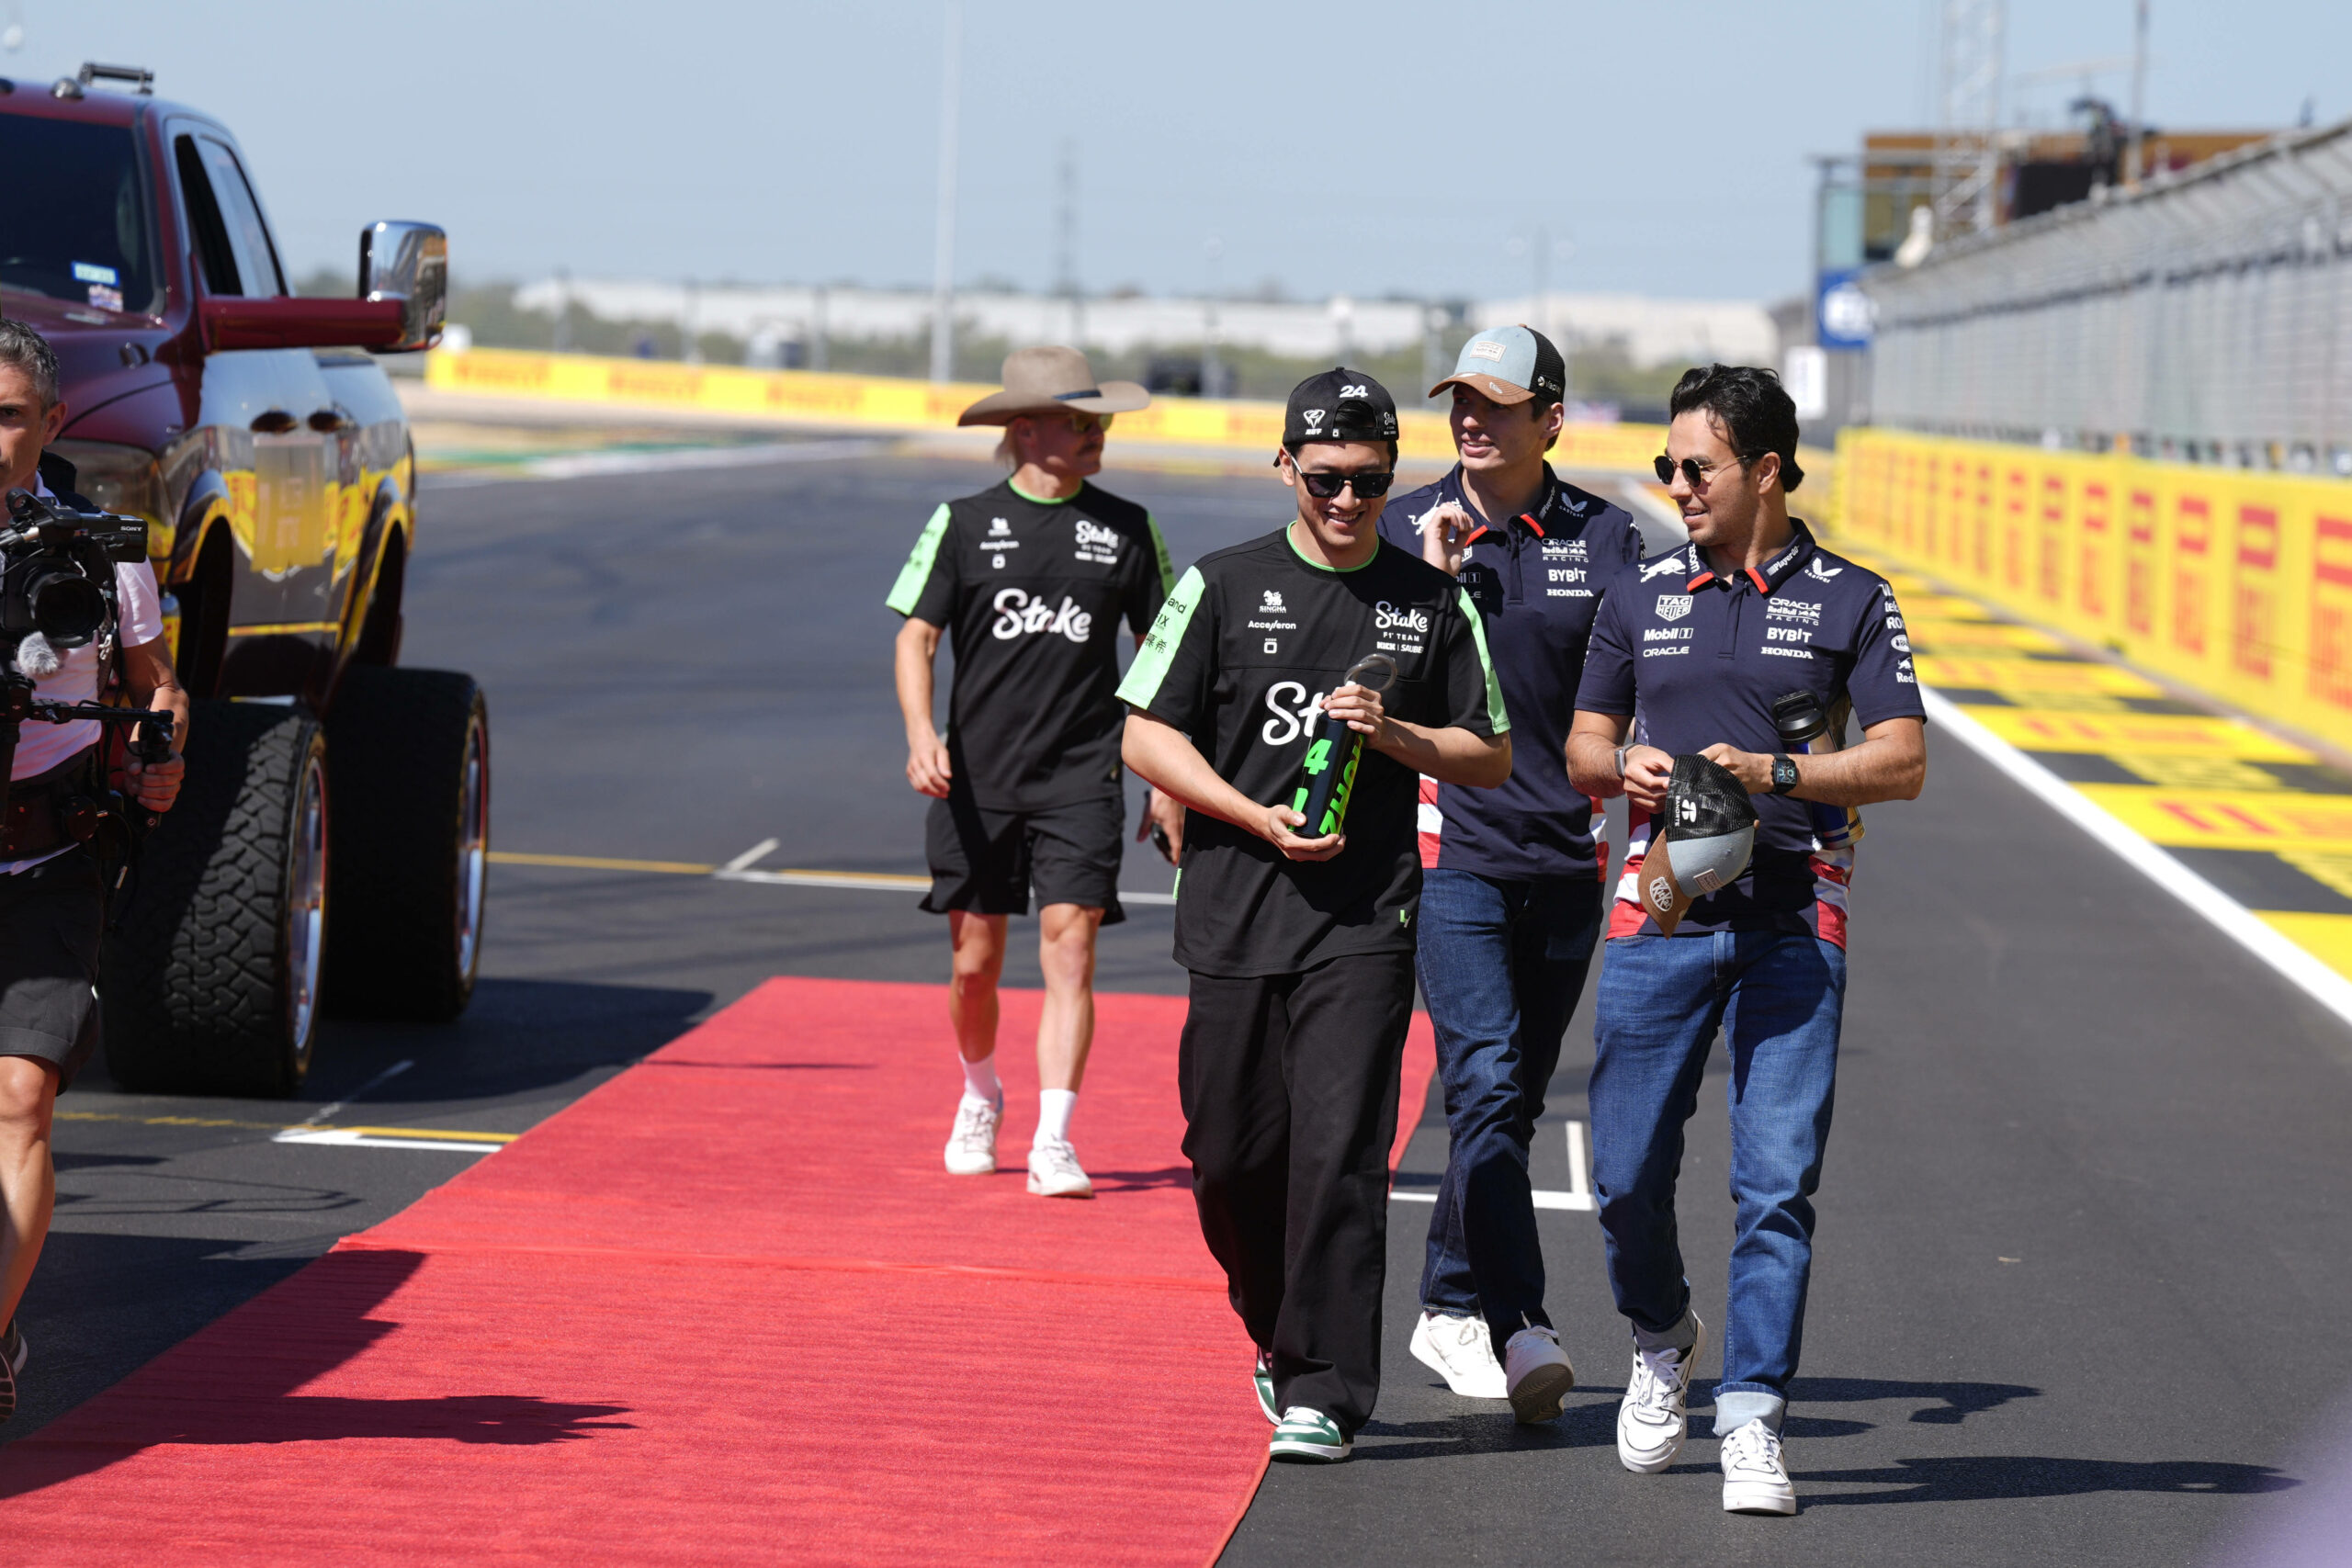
[(276, 430)]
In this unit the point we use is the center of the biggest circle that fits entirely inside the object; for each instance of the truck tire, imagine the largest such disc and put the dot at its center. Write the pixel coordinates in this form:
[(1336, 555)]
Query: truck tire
[(210, 981), (412, 816)]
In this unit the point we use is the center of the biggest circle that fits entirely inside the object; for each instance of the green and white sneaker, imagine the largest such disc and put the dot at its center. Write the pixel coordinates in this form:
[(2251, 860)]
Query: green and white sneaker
[(1310, 1437), (1263, 1378)]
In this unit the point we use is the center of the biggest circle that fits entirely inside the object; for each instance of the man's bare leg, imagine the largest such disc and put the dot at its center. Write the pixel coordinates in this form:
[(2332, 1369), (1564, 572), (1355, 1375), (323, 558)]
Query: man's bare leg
[(972, 1008), (28, 1179), (1065, 935), (1065, 1033), (971, 987)]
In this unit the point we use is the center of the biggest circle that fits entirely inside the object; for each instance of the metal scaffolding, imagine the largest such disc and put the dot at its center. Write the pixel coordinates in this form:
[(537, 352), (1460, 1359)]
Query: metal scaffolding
[(2202, 317)]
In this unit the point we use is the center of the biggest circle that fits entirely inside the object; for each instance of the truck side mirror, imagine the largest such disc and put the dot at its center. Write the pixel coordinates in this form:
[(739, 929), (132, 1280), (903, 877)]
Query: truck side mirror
[(407, 264)]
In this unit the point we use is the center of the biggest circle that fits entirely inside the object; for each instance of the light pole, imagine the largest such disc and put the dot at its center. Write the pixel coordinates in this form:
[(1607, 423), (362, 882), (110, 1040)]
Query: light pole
[(1210, 375), (942, 261), (2135, 162)]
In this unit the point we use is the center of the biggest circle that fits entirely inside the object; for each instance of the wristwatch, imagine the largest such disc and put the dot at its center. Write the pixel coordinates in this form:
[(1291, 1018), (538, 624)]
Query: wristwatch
[(1621, 763), (1784, 773)]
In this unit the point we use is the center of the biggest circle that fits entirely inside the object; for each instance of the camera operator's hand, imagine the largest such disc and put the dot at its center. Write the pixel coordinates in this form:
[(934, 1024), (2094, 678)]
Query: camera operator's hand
[(155, 785)]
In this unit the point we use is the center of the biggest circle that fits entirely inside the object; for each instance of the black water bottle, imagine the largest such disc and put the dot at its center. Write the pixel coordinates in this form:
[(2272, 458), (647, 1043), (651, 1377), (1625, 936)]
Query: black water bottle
[(1328, 775)]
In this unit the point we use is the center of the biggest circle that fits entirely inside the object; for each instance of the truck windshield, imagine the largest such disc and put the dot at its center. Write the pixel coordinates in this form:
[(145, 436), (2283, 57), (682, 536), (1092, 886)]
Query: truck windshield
[(74, 226)]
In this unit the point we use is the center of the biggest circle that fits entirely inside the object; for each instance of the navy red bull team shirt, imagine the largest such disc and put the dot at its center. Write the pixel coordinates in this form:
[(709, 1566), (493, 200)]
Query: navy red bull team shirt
[(1536, 581), (1700, 657)]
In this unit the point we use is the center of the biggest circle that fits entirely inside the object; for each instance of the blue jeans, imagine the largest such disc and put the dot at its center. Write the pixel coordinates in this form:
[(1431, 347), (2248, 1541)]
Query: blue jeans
[(1778, 997), (1501, 964)]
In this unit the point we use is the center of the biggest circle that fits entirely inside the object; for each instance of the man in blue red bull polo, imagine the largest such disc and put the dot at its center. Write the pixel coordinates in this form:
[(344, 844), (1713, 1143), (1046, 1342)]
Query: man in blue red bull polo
[(1510, 879), (1705, 643)]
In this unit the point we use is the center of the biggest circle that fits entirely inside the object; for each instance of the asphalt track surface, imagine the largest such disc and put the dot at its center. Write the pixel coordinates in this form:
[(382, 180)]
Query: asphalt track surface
[(2082, 1262)]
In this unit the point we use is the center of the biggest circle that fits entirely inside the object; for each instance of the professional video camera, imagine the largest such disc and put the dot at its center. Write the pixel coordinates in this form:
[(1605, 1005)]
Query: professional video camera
[(57, 591)]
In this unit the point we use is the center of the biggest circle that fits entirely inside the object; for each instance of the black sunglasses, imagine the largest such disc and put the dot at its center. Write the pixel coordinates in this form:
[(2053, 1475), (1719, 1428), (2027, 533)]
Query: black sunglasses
[(1368, 487), (1692, 470)]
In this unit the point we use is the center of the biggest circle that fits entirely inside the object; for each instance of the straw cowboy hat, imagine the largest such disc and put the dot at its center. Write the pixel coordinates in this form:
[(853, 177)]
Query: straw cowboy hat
[(1040, 381)]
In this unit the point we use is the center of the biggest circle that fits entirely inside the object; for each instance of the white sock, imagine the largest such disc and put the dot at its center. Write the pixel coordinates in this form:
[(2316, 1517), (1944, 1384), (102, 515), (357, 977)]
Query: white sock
[(980, 1081), (1054, 1107)]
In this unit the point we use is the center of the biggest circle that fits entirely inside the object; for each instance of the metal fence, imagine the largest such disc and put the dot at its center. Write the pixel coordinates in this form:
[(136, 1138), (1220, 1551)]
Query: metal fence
[(2207, 317)]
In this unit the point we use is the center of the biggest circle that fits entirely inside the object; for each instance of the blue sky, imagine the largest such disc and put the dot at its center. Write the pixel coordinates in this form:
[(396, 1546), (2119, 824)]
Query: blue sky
[(1369, 148)]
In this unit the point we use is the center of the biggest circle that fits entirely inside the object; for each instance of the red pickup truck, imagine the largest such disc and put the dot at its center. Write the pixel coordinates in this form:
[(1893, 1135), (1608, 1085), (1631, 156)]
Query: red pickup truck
[(330, 848)]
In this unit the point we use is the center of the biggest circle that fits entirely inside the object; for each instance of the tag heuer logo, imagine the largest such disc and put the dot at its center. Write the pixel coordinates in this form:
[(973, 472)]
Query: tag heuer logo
[(1673, 606), (1273, 601)]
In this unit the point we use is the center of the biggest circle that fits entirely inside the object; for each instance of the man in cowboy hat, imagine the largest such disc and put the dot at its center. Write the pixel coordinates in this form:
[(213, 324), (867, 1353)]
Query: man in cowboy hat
[(1030, 578)]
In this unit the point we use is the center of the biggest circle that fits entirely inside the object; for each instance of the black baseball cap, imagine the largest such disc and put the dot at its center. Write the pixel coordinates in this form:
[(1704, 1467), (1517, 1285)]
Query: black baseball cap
[(1338, 405)]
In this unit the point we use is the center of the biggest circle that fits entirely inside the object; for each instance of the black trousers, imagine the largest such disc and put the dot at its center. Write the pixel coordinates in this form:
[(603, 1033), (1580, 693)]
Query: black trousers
[(1289, 1085)]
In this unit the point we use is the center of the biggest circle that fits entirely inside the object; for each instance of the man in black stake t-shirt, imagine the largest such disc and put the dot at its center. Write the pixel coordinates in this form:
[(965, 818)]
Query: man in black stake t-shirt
[(1301, 948), (1030, 579)]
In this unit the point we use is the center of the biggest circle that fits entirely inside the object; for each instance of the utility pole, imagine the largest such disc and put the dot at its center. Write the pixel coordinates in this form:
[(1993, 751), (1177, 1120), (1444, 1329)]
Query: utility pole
[(2135, 161), (1540, 250), (1066, 244), (942, 261)]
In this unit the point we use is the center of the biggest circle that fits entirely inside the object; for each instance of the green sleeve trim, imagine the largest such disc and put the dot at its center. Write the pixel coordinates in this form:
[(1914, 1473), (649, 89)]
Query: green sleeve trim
[(1159, 552), (1497, 718), (908, 591), (1159, 644)]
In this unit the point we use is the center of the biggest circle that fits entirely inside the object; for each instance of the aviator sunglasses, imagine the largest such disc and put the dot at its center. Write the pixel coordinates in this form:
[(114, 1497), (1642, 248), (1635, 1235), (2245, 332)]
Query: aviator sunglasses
[(1698, 473), (1324, 487)]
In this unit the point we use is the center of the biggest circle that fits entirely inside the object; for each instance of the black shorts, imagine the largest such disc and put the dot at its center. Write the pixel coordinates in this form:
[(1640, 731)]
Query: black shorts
[(988, 861), (52, 917)]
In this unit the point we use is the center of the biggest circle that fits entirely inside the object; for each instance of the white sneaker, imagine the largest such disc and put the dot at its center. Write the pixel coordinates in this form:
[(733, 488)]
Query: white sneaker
[(1054, 1171), (1459, 1350), (1756, 1476), (1650, 1420), (971, 1147), (1537, 1374)]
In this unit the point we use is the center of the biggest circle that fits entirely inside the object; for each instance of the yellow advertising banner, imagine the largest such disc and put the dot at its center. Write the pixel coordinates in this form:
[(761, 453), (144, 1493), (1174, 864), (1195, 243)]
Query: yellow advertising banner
[(843, 401), (2234, 582)]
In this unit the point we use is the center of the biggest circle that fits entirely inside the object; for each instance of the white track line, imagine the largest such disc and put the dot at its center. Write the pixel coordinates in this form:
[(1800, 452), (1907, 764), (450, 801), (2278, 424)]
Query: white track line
[(751, 856), (1577, 1199), (340, 1138), (2234, 919)]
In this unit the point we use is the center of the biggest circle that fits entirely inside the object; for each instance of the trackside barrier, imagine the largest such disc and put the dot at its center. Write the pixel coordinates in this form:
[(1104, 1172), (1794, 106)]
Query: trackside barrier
[(2236, 584), (841, 401)]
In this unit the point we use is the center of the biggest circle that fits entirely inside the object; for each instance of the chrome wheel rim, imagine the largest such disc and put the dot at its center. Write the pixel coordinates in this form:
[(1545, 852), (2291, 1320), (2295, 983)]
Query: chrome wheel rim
[(473, 847), (305, 908)]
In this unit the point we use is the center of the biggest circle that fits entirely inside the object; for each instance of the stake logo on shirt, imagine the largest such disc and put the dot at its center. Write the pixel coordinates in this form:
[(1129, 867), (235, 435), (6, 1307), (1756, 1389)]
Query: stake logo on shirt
[(1017, 615)]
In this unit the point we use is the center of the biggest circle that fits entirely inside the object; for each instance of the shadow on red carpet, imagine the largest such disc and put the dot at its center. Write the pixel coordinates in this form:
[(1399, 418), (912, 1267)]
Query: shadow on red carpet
[(725, 1308)]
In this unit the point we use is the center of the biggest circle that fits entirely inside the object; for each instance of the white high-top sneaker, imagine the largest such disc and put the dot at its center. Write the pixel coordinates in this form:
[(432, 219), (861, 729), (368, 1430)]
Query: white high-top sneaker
[(1537, 1374), (971, 1147), (1459, 1350), (1756, 1473), (1650, 1420)]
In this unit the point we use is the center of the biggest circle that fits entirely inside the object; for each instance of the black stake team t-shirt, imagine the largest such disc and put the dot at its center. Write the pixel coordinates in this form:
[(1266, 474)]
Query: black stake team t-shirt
[(1251, 641), (1030, 593)]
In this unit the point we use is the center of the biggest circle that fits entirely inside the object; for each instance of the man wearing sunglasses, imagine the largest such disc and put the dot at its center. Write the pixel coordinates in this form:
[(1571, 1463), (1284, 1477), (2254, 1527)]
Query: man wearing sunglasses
[(1030, 577), (1299, 934), (1716, 645), (1510, 881)]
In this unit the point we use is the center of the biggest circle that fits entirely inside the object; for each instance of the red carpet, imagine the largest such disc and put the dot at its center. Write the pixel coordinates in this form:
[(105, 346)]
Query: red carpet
[(726, 1308)]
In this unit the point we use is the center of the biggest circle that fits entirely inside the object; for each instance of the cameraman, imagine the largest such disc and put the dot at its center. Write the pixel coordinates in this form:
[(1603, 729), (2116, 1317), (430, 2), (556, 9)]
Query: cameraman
[(52, 907)]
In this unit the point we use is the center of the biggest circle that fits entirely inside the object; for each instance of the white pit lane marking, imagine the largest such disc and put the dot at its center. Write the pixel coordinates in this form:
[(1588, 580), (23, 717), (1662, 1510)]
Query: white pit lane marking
[(349, 1138), (1577, 1200)]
